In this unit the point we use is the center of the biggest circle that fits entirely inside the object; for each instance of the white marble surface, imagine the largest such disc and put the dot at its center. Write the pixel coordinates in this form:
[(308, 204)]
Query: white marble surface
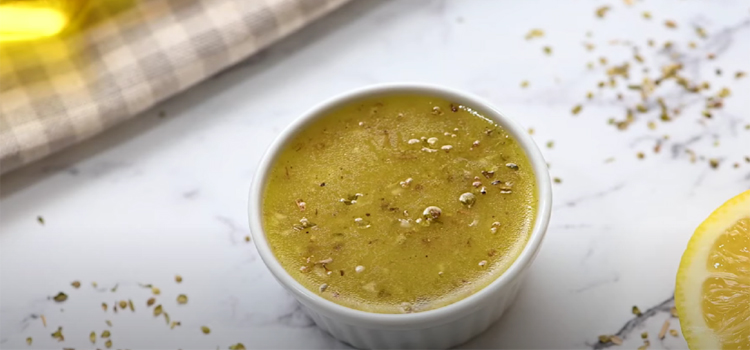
[(165, 195)]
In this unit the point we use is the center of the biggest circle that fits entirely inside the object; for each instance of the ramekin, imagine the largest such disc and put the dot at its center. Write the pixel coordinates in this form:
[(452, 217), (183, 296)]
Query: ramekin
[(438, 328)]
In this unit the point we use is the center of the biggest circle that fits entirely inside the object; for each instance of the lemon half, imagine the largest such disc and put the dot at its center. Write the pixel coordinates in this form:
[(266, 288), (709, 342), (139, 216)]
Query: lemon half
[(713, 282)]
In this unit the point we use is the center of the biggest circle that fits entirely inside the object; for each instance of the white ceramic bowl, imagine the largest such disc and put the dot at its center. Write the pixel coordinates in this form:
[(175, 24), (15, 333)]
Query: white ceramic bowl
[(438, 328)]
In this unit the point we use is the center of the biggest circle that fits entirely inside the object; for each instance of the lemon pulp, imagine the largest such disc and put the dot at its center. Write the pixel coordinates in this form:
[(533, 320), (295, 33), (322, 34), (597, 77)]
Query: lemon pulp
[(726, 294)]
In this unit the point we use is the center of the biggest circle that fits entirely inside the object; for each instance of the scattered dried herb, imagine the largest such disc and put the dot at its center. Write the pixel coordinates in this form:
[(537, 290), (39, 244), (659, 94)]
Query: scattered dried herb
[(58, 334), (670, 24), (130, 305), (247, 238), (155, 290), (237, 346), (157, 310), (174, 324), (123, 304), (106, 334), (60, 297), (108, 322), (76, 284), (178, 278), (739, 75), (44, 321), (646, 15), (114, 289), (644, 335), (547, 50), (674, 333), (104, 307), (40, 220), (525, 84), (664, 329), (534, 33), (557, 180), (701, 32), (29, 340), (108, 343), (166, 317), (550, 144), (150, 301), (640, 155), (205, 330), (92, 337), (182, 299)]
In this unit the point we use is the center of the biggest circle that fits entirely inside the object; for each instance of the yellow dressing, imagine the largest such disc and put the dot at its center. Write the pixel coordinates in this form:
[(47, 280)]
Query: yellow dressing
[(400, 203)]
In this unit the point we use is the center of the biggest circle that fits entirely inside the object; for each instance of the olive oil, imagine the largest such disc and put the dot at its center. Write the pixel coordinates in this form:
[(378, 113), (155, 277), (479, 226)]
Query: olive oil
[(22, 20)]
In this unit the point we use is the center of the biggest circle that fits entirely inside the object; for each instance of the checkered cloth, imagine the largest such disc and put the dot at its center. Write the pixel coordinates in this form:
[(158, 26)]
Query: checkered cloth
[(121, 61)]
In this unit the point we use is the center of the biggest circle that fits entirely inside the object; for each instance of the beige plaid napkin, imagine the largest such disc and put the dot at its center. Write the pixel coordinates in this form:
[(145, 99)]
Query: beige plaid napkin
[(57, 92)]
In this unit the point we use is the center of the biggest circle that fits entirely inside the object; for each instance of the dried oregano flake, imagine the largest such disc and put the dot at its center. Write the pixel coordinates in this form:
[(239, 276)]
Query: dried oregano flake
[(60, 297), (58, 334), (182, 299)]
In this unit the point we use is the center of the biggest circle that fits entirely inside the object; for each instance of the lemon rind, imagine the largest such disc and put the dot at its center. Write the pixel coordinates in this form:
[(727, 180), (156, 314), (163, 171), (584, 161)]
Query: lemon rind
[(693, 271)]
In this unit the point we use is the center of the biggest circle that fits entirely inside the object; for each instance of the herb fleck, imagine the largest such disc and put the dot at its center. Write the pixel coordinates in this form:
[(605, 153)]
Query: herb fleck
[(92, 337), (106, 334), (150, 301), (58, 334), (155, 290), (130, 304), (157, 310), (205, 330), (182, 299), (237, 346), (29, 340), (123, 304), (534, 33), (108, 344), (104, 307), (76, 284), (40, 220), (576, 109), (637, 311), (178, 278), (60, 297)]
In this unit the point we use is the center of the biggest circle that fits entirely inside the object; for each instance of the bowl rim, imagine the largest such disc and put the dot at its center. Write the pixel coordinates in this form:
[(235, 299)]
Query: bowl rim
[(427, 318)]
